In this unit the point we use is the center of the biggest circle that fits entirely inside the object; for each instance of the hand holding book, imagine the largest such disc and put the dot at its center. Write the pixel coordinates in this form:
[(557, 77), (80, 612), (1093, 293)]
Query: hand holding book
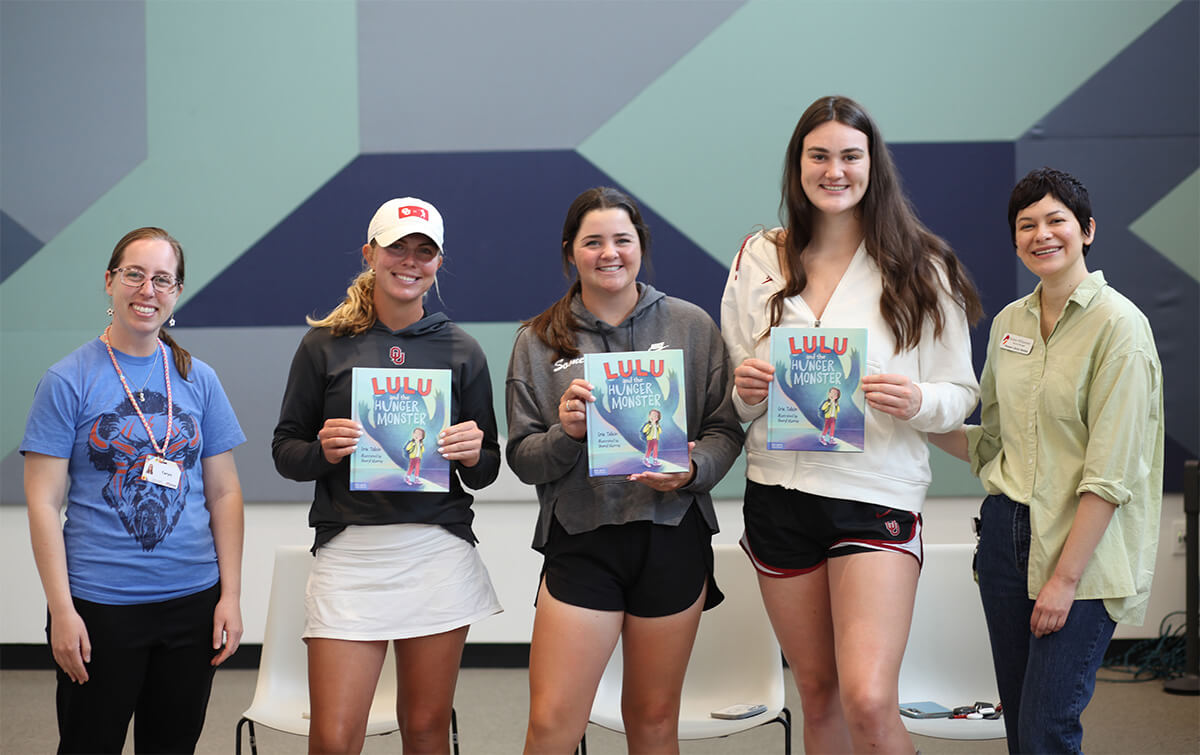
[(665, 482), (339, 438), (461, 443), (752, 380), (572, 409), (894, 394)]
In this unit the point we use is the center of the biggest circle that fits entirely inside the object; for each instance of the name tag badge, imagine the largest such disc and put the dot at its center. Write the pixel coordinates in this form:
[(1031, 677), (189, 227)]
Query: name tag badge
[(1016, 344), (161, 471)]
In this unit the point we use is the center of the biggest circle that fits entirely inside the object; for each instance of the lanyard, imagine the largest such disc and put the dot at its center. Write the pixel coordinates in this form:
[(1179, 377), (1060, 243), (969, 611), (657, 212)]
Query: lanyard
[(125, 384)]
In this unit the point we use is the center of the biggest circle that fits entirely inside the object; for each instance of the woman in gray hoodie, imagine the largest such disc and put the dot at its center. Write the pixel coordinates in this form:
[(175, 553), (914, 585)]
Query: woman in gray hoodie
[(627, 556)]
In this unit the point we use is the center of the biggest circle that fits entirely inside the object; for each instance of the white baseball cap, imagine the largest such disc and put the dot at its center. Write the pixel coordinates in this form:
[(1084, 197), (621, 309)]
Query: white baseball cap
[(399, 217)]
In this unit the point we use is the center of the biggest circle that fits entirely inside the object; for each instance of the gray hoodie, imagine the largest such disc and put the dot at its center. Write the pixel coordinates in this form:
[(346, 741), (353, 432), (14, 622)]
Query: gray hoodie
[(542, 454)]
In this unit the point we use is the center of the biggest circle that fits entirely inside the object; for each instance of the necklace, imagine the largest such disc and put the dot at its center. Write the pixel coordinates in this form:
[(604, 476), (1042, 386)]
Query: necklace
[(162, 451), (141, 394)]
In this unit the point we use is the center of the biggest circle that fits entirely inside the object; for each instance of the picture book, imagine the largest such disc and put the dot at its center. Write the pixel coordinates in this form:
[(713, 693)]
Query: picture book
[(401, 411), (638, 422), (816, 400)]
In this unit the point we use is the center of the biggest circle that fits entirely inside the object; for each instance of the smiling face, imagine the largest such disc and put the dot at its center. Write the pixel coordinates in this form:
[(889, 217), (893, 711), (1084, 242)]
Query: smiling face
[(404, 272), (608, 255), (835, 167), (139, 313), (1049, 241)]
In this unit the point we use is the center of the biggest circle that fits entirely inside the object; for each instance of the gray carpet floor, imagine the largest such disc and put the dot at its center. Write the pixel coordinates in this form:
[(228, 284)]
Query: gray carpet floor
[(492, 705)]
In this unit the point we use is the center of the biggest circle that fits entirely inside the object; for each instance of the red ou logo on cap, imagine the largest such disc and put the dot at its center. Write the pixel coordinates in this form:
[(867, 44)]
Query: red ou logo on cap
[(411, 210)]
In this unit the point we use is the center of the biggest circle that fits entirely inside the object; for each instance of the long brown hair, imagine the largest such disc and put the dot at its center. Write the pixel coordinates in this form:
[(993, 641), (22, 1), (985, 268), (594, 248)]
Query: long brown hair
[(556, 326), (908, 254), (182, 359)]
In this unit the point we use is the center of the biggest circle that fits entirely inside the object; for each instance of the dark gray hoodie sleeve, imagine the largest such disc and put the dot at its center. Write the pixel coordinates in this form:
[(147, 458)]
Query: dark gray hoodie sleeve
[(720, 436), (537, 452)]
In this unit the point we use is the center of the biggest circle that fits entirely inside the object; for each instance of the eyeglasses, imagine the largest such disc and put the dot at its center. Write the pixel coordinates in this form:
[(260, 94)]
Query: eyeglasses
[(135, 278), (422, 254)]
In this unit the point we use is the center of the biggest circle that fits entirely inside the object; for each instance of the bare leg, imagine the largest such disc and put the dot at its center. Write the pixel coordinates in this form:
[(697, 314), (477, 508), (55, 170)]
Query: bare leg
[(799, 609), (656, 659), (342, 676), (426, 675), (872, 600), (567, 655)]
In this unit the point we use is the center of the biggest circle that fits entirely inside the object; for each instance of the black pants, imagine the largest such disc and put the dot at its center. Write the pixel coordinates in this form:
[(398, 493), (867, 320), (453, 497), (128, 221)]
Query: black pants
[(149, 661)]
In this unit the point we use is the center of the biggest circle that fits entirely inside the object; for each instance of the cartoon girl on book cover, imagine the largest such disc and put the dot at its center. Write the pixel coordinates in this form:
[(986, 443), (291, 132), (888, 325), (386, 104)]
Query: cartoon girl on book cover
[(651, 432), (829, 410), (415, 449)]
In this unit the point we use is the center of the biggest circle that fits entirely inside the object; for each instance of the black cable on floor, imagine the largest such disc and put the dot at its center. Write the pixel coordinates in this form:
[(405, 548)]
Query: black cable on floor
[(1163, 657)]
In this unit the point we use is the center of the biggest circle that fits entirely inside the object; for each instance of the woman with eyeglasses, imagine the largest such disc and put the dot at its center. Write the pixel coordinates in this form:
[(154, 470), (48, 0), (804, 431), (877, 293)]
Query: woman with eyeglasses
[(143, 581), (399, 566)]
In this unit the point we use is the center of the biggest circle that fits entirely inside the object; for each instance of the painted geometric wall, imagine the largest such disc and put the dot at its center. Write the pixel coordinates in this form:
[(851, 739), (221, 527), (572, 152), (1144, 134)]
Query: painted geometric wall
[(263, 135)]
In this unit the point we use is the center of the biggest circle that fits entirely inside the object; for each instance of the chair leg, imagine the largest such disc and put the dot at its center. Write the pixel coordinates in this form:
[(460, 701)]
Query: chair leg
[(785, 719), (454, 731), (253, 743)]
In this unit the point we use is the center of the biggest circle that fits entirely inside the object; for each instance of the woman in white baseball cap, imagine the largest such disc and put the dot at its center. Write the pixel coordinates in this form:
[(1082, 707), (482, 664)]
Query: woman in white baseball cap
[(392, 565)]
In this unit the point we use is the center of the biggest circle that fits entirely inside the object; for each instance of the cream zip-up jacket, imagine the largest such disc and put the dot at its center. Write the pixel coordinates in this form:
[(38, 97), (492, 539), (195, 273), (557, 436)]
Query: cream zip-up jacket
[(893, 471)]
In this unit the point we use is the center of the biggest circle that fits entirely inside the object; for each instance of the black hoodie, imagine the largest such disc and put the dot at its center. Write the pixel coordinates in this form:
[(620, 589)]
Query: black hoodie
[(318, 389)]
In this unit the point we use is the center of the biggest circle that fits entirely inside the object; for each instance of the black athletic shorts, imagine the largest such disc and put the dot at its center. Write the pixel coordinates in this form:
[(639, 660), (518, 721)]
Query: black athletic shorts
[(789, 532), (641, 568)]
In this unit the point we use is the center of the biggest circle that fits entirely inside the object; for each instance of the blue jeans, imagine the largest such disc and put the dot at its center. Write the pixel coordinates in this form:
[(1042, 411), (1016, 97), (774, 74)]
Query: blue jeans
[(1045, 683)]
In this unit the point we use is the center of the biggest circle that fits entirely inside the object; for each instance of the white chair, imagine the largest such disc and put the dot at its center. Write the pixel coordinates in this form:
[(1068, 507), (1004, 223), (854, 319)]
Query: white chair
[(736, 659), (948, 659), (281, 694)]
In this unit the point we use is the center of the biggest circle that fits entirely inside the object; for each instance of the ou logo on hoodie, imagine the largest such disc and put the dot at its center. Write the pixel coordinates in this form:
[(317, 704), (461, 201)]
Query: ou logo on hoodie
[(397, 355)]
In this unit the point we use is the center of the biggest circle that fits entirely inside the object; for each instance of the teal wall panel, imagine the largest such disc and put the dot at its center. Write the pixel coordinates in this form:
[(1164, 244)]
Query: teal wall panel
[(243, 121), (711, 131)]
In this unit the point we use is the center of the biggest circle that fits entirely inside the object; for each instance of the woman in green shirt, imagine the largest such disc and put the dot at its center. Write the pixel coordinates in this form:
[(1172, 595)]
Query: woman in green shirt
[(1070, 450)]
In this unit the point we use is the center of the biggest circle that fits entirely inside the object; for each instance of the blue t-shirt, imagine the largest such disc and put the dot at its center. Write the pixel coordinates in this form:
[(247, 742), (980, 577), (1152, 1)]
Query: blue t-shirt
[(130, 541)]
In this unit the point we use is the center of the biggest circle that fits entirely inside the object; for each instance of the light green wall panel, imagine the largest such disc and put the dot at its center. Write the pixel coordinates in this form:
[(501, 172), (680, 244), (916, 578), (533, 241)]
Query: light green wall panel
[(951, 477), (251, 106), (1172, 226)]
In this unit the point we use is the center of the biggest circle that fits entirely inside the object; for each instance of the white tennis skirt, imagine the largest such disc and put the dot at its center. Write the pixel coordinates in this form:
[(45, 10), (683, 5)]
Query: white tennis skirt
[(396, 581)]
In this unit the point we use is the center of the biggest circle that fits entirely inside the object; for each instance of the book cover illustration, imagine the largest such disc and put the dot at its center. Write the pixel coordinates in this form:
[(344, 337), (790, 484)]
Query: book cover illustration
[(638, 422), (816, 400), (401, 411)]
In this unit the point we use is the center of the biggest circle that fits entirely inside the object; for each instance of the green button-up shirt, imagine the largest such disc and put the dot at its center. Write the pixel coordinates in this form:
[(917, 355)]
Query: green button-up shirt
[(1079, 412)]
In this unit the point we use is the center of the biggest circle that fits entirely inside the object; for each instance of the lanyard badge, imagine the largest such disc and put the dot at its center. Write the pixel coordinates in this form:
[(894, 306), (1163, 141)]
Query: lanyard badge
[(161, 471), (157, 469)]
